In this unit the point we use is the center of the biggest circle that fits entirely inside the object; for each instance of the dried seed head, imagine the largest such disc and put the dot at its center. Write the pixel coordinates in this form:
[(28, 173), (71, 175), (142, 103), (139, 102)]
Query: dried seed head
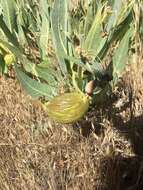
[(68, 107)]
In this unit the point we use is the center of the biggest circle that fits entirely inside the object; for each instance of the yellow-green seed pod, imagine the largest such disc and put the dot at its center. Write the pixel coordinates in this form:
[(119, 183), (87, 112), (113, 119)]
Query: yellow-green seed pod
[(9, 59), (67, 108)]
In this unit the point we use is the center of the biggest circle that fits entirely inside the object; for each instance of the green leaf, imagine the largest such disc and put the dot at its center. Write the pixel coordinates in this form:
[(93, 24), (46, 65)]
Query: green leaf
[(88, 19), (116, 34), (120, 55), (46, 74), (20, 24), (2, 65), (94, 41), (59, 29), (16, 51), (44, 31), (7, 32), (114, 16), (34, 88), (125, 10), (9, 13)]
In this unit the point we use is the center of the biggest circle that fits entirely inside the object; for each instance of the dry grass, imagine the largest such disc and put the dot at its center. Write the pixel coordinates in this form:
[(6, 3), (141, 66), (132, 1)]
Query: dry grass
[(101, 153)]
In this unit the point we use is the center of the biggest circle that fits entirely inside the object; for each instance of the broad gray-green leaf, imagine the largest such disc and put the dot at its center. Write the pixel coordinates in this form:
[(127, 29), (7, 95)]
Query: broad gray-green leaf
[(115, 13), (125, 10), (16, 51), (94, 41), (20, 24), (34, 88), (120, 55), (10, 36), (47, 75), (43, 71), (58, 26), (88, 19), (9, 13), (44, 31)]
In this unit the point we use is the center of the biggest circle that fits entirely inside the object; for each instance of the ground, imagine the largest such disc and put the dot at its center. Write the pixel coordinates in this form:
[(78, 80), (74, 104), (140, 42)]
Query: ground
[(103, 151)]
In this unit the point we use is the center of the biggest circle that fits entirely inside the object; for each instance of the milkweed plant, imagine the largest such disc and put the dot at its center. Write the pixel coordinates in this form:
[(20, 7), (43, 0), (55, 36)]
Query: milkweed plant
[(58, 53)]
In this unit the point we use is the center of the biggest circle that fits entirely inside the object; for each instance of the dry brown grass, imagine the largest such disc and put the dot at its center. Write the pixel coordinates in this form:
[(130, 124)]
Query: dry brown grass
[(101, 154)]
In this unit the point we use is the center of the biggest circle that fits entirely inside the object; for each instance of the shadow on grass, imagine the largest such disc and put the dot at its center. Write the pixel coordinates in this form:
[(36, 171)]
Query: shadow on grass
[(129, 171), (121, 173)]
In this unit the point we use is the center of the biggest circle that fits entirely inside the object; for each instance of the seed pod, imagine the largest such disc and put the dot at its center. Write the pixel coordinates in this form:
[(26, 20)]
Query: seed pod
[(67, 108), (9, 59), (90, 87)]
